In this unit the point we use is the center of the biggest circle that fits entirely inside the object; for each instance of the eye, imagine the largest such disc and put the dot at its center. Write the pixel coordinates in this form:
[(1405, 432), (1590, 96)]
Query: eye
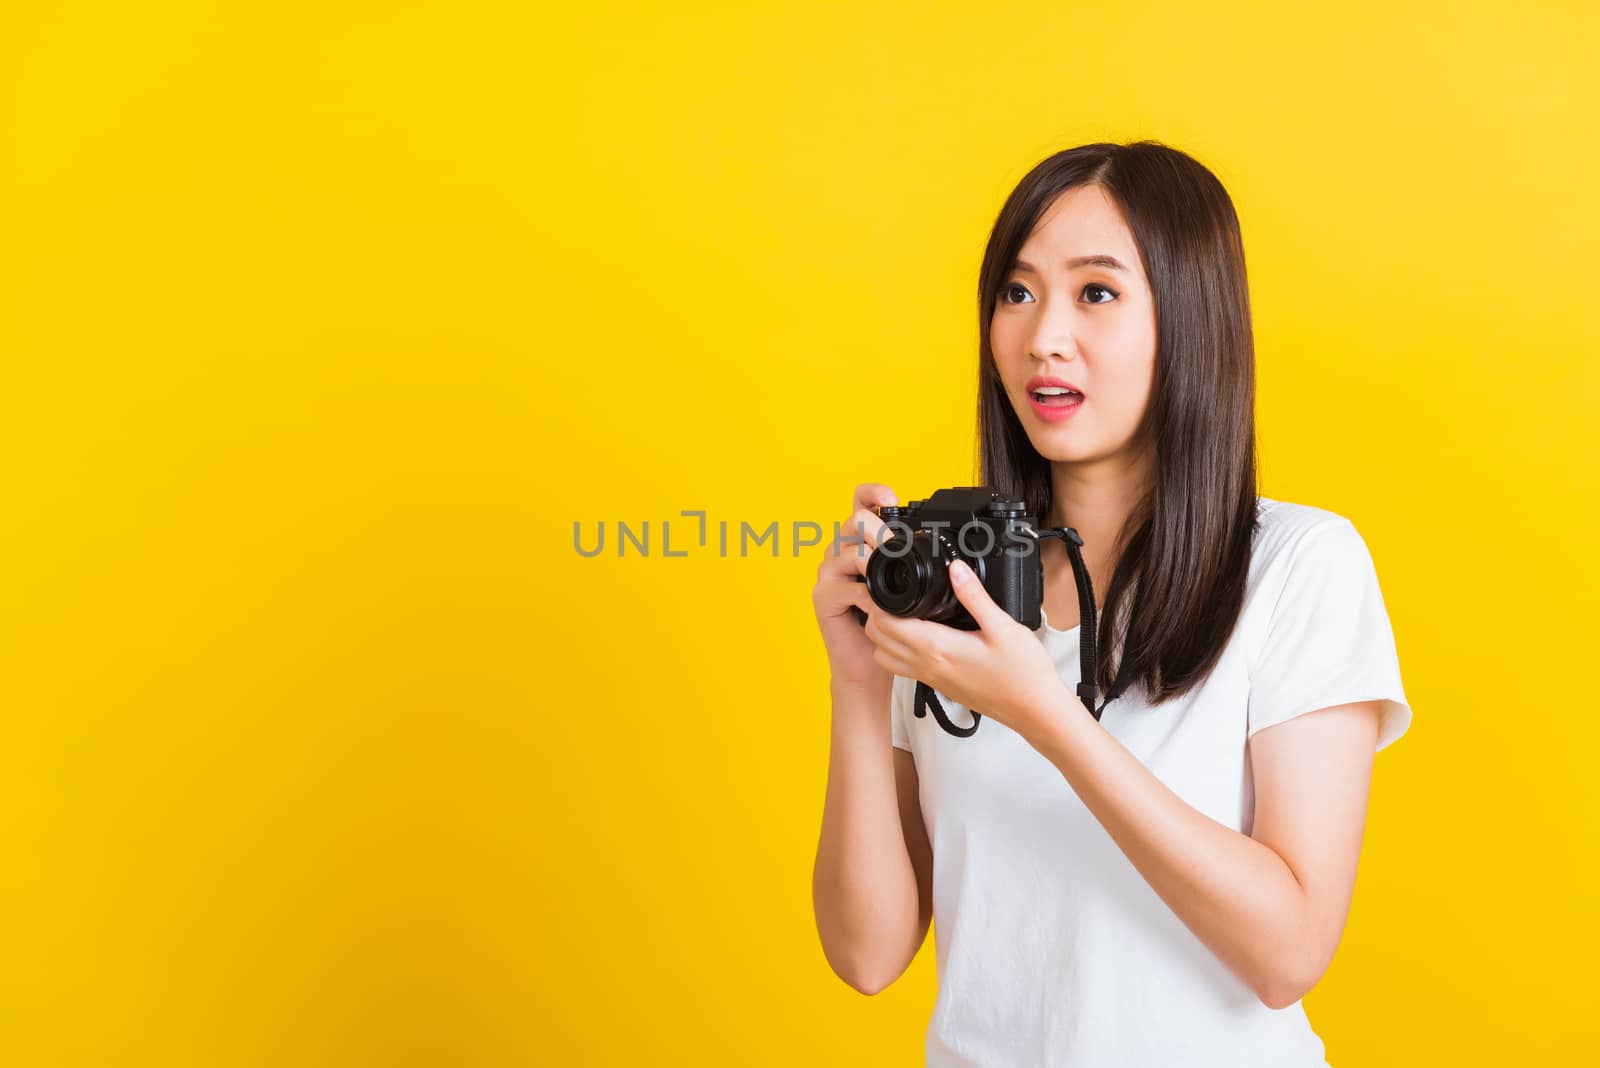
[(1102, 289), (1008, 289)]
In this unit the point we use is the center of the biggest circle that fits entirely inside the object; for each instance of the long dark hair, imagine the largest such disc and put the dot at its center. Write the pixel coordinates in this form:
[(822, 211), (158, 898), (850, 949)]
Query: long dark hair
[(1183, 554)]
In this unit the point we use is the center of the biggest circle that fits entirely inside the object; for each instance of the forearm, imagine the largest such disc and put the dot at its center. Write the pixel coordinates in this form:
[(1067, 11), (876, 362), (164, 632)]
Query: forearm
[(1236, 895), (864, 888)]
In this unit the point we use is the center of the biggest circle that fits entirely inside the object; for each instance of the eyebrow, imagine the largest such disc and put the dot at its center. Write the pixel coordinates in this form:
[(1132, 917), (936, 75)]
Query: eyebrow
[(1098, 260)]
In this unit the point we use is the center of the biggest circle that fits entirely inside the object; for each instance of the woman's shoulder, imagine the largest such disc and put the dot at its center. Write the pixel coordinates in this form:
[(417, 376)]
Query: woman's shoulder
[(1279, 518), (1282, 527)]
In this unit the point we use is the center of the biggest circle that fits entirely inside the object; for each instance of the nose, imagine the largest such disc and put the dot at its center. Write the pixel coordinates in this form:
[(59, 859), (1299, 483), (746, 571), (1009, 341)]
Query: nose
[(1053, 336)]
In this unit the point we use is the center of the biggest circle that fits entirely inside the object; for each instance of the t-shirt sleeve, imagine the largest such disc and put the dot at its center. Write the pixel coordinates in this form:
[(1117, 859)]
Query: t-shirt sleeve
[(1329, 641), (899, 709)]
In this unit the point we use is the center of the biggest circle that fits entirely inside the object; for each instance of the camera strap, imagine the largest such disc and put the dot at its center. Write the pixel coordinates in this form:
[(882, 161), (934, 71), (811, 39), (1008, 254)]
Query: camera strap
[(1087, 690), (927, 700)]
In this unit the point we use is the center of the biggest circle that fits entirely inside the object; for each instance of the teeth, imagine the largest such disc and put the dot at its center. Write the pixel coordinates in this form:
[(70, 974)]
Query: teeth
[(1055, 391)]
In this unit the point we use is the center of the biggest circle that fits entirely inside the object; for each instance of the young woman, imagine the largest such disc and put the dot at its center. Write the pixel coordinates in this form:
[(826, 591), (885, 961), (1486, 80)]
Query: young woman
[(1161, 886)]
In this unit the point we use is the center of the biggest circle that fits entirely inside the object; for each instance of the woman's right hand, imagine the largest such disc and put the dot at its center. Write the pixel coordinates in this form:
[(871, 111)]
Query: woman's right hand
[(838, 589)]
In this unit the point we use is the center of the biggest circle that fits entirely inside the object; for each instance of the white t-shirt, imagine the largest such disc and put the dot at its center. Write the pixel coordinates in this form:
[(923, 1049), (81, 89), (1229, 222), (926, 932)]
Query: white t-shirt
[(1051, 948)]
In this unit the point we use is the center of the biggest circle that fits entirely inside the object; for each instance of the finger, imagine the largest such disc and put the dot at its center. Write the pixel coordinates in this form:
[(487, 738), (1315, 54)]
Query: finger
[(834, 595), (872, 495), (913, 632), (894, 664), (859, 537), (889, 637), (857, 597), (970, 592), (852, 545)]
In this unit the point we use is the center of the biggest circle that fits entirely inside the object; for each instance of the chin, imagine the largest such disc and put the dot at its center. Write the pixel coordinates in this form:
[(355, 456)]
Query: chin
[(1059, 446)]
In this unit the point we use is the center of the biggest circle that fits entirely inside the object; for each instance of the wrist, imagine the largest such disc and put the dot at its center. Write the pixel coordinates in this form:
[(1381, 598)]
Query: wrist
[(868, 692), (1055, 720)]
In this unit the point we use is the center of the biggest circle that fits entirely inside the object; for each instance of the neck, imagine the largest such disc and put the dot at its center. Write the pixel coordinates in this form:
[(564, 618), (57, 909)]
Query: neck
[(1095, 499)]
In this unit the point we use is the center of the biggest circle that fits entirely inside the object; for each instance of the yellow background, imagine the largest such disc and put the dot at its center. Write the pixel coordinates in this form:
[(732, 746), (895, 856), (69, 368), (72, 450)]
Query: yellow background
[(322, 324)]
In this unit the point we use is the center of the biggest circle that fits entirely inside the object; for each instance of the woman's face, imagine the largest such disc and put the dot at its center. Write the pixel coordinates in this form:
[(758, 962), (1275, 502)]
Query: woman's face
[(1085, 326)]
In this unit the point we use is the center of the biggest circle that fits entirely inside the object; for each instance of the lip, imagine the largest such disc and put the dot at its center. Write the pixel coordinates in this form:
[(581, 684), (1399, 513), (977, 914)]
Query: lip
[(1052, 413)]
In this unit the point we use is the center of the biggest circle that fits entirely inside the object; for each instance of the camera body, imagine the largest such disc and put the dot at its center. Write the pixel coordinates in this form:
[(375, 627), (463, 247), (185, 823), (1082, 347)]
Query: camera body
[(908, 574)]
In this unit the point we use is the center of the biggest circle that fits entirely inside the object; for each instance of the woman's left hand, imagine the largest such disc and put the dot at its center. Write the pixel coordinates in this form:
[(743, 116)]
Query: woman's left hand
[(1001, 670)]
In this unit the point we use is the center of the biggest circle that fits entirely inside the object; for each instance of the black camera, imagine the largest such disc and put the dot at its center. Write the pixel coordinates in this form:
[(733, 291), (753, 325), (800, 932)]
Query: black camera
[(909, 572)]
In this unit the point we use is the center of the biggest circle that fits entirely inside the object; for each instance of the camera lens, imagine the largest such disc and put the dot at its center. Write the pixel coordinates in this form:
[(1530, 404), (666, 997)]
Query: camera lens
[(899, 578), (914, 580)]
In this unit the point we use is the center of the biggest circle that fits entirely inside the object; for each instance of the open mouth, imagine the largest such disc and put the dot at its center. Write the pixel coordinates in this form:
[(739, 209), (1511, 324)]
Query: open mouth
[(1055, 397)]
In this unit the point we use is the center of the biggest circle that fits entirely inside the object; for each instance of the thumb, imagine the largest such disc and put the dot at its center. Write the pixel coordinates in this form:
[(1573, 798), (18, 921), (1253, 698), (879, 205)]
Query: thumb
[(970, 592)]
